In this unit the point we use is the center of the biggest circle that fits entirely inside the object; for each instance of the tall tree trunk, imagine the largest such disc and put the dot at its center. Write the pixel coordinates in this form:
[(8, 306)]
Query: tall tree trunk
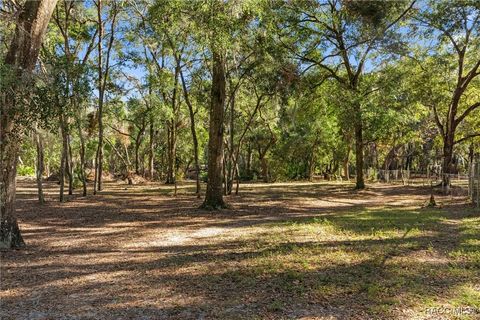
[(64, 157), (248, 165), (102, 82), (171, 146), (83, 175), (40, 165), (346, 161), (214, 196), (151, 150), (99, 155), (447, 165), (21, 56), (360, 181), (82, 151), (194, 134), (137, 156), (231, 154), (70, 165), (172, 141)]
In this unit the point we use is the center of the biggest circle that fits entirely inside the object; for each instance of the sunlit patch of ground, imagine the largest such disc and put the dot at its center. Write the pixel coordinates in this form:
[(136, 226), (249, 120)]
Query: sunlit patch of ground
[(284, 250)]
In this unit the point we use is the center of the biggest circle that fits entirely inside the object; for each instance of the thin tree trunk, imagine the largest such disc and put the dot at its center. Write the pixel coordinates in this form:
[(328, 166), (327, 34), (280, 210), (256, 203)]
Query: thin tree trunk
[(70, 166), (40, 165), (102, 82), (138, 142), (171, 153), (237, 177), (64, 158), (231, 155), (194, 134), (151, 150), (172, 142), (83, 175), (97, 186), (248, 168), (346, 161)]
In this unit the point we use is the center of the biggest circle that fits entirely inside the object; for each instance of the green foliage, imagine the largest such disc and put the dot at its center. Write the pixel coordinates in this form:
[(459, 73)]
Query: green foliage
[(294, 90), (23, 170)]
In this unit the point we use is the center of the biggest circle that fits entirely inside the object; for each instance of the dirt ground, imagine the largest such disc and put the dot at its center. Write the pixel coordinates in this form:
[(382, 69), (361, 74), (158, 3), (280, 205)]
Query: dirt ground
[(282, 251)]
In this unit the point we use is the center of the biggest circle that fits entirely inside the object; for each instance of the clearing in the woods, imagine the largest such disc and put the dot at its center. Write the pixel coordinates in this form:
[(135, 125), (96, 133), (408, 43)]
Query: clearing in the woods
[(296, 250)]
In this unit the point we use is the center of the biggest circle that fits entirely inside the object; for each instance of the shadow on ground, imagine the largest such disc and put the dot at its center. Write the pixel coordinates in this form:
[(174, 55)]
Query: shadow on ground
[(310, 251)]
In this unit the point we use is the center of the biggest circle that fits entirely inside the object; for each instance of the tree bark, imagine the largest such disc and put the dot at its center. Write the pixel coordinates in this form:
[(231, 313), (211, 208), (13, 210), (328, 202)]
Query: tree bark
[(64, 157), (447, 166), (172, 138), (151, 150), (194, 134), (360, 181), (83, 175), (102, 82), (171, 146), (138, 143), (70, 164), (97, 185), (214, 196), (346, 161), (21, 56), (40, 165), (231, 155)]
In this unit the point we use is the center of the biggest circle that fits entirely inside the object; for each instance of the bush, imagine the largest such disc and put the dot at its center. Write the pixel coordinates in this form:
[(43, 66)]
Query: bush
[(23, 170), (203, 176)]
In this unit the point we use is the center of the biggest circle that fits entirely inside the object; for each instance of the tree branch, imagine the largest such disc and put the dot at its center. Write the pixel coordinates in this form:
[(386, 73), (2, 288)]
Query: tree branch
[(466, 113), (473, 135)]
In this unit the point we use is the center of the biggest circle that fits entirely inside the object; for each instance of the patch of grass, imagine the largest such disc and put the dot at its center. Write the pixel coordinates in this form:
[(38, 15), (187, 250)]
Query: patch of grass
[(383, 257)]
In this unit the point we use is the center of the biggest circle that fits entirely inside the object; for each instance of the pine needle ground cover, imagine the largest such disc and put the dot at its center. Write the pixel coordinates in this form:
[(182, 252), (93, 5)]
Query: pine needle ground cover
[(281, 251)]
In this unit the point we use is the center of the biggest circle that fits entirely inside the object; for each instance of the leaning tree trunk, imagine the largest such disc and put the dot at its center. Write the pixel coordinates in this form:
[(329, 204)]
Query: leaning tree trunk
[(21, 57), (214, 196)]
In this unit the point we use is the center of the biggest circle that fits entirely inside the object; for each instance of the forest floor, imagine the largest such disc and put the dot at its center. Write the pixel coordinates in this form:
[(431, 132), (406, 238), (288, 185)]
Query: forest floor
[(282, 251)]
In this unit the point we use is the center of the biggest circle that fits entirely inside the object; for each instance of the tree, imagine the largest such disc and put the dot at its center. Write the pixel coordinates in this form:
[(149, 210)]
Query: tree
[(103, 74), (20, 60), (72, 20), (214, 193), (339, 38), (456, 28)]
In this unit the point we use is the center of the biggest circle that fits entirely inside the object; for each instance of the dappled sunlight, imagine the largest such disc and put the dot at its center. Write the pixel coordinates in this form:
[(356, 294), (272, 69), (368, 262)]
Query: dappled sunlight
[(124, 254)]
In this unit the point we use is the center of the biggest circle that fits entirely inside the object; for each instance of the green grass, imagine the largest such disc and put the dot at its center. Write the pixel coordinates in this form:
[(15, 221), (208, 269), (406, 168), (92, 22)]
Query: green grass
[(381, 259)]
